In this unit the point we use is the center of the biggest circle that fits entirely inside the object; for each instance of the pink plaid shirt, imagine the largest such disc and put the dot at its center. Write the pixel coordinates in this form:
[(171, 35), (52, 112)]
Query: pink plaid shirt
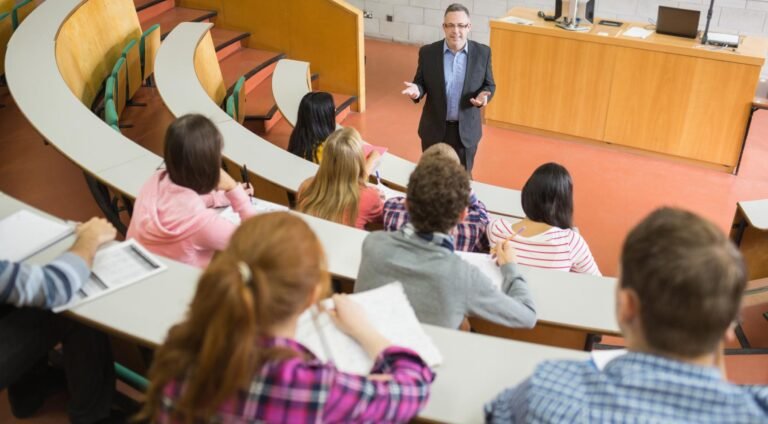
[(298, 390)]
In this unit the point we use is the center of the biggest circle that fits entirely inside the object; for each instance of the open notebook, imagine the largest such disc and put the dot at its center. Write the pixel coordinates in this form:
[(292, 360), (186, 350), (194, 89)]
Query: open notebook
[(388, 311), (25, 233), (114, 267)]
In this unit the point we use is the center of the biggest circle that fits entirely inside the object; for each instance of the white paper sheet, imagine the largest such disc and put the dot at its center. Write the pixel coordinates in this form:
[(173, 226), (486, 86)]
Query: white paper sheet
[(486, 264), (516, 20), (637, 32), (25, 233), (262, 206), (388, 311), (114, 267)]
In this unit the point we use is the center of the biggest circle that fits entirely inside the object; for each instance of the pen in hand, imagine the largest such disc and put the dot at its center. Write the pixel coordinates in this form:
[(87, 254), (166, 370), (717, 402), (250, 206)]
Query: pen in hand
[(246, 181)]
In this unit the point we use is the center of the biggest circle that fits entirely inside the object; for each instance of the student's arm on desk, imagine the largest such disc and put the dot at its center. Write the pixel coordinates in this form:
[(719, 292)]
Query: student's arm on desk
[(215, 234), (512, 306), (42, 286)]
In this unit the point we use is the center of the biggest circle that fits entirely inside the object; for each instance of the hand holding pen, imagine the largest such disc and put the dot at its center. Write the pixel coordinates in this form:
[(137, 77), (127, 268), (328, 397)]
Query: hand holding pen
[(246, 181), (503, 251)]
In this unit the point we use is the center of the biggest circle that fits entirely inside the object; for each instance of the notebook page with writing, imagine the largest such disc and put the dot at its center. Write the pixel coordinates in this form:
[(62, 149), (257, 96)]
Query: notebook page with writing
[(25, 233), (114, 267), (486, 264), (388, 310)]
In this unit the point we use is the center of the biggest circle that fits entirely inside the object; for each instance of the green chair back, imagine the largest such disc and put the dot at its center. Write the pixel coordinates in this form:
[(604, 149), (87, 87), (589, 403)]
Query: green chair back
[(132, 67), (21, 11), (110, 113), (239, 94), (121, 85), (150, 42), (231, 109), (109, 89), (6, 30)]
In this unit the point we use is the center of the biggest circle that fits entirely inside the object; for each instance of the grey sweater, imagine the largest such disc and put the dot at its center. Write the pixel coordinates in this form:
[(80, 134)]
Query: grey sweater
[(442, 287)]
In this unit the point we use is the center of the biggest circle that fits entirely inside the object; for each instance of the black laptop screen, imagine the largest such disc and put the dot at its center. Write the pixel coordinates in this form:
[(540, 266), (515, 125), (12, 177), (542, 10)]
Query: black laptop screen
[(680, 22)]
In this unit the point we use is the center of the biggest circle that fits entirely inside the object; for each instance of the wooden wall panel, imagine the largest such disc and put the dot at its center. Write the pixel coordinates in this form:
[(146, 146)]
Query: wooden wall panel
[(680, 105), (551, 83), (90, 42), (208, 69), (326, 33)]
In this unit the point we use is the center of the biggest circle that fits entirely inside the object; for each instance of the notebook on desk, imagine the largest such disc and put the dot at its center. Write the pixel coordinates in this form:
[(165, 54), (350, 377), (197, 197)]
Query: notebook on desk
[(25, 233)]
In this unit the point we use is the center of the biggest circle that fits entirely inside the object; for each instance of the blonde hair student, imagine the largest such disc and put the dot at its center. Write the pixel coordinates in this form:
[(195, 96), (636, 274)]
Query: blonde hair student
[(339, 192), (234, 357)]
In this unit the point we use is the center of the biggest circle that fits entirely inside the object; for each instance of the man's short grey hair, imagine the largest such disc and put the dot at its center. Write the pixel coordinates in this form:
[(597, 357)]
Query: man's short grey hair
[(456, 7)]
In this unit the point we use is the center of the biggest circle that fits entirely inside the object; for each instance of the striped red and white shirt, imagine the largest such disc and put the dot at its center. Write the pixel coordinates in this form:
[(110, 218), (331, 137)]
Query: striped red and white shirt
[(556, 248)]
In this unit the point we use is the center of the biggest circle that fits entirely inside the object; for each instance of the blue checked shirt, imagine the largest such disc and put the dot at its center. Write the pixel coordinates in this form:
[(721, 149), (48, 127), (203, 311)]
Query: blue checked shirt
[(634, 388), (454, 69), (469, 234)]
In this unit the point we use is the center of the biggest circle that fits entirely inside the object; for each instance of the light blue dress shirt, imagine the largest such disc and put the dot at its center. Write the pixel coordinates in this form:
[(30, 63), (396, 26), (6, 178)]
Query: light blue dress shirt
[(634, 388), (454, 69)]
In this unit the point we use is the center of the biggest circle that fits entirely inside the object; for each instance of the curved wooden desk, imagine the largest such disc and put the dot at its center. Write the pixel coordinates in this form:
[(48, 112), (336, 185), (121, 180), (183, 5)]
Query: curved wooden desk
[(475, 368), (750, 233), (564, 300)]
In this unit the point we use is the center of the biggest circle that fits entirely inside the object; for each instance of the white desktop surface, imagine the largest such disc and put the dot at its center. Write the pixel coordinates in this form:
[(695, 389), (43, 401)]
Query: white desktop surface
[(756, 212), (475, 367)]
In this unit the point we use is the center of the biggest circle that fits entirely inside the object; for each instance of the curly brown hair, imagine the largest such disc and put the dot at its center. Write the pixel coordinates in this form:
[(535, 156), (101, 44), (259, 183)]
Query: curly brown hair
[(438, 191)]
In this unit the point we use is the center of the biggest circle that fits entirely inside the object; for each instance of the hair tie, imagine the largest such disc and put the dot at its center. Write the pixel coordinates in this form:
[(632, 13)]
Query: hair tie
[(245, 272)]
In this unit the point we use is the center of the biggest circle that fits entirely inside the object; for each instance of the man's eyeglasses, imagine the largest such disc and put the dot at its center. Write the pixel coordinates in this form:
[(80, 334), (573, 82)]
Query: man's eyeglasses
[(454, 26)]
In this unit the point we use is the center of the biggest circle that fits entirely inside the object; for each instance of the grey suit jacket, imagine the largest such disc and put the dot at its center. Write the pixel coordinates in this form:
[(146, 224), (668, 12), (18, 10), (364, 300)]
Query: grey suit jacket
[(431, 82)]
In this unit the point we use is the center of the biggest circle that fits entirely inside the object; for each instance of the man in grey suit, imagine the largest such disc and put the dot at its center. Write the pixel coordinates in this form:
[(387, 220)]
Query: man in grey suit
[(455, 74)]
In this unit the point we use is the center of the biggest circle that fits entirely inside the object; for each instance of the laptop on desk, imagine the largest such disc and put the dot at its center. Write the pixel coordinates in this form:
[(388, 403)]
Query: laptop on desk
[(679, 22)]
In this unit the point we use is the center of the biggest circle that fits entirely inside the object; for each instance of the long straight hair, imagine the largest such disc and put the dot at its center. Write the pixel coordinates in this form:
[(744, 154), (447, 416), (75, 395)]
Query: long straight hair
[(334, 193), (217, 349), (315, 122)]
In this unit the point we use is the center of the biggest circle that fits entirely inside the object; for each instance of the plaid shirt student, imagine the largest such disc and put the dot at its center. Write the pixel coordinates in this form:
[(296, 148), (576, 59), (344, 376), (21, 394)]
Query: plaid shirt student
[(633, 388), (299, 390), (468, 235)]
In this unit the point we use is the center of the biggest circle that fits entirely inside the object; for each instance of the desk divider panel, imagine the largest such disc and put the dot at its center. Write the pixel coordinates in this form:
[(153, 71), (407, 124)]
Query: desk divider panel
[(326, 33), (91, 40)]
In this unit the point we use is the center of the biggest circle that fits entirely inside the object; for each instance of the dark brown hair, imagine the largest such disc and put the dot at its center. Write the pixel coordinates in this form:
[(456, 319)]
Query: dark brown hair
[(548, 196), (456, 7), (192, 153), (688, 277), (438, 191), (217, 349)]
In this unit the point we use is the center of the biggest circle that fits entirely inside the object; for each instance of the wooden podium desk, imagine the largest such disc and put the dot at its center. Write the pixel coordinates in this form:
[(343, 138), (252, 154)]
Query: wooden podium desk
[(663, 94)]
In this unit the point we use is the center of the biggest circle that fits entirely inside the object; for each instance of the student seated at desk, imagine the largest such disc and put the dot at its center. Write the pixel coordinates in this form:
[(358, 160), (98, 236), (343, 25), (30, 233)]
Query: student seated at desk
[(340, 192), (546, 238), (678, 296), (468, 234), (234, 358), (28, 333), (442, 287), (315, 122), (173, 213)]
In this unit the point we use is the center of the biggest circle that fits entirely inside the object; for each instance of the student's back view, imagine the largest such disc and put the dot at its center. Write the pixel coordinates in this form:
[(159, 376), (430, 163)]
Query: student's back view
[(679, 292), (442, 287)]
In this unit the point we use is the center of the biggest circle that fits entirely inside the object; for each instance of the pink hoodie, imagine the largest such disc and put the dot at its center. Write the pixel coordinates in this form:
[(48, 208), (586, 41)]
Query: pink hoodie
[(175, 222)]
